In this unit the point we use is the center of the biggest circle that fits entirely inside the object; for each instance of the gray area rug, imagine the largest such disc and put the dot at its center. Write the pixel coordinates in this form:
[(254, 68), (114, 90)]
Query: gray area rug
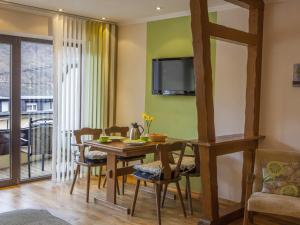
[(30, 217)]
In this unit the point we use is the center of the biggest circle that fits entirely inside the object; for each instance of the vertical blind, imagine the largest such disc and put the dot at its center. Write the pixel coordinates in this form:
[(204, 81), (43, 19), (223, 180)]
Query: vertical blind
[(83, 78)]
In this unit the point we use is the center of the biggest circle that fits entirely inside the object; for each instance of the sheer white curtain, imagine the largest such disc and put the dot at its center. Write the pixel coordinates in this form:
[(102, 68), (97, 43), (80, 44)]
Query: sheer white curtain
[(84, 80), (69, 35)]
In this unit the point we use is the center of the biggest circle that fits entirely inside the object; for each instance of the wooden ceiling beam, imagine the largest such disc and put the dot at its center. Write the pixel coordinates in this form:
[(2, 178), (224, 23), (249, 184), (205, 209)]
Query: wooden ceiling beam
[(247, 4), (232, 35)]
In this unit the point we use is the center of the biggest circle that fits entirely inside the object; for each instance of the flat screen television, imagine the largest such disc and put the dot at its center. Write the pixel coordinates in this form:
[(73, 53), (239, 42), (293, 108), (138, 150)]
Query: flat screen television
[(173, 76)]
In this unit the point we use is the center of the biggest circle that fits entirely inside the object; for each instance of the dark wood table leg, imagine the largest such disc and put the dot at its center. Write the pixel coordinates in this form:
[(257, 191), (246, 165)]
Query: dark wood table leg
[(111, 197), (111, 178)]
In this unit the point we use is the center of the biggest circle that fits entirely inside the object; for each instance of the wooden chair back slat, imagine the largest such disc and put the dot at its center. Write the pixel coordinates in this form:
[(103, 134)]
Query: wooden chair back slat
[(115, 130), (165, 153), (95, 133)]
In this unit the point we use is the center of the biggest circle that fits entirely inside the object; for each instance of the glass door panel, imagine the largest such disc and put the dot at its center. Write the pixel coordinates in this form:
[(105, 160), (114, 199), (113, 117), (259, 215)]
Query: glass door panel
[(5, 131), (36, 109)]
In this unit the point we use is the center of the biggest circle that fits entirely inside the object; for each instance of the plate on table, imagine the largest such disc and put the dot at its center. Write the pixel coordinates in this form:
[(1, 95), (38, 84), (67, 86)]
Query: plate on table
[(134, 142), (116, 138), (104, 142)]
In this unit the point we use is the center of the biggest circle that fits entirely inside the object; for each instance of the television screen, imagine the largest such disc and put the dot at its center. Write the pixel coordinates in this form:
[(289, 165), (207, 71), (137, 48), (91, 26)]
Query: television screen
[(173, 76)]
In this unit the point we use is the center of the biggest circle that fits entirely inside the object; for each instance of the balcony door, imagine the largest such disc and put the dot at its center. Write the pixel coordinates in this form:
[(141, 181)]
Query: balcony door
[(26, 106), (9, 95)]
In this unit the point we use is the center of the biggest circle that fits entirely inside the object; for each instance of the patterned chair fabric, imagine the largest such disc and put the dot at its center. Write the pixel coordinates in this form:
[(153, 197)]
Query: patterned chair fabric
[(152, 170), (93, 156), (187, 164)]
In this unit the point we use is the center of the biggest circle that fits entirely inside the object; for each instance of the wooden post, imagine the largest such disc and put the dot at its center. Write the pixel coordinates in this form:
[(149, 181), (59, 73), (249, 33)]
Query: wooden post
[(209, 186), (210, 146), (254, 72), (203, 71)]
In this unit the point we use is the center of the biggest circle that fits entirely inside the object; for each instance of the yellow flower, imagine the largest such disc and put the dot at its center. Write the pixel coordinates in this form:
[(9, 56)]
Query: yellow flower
[(144, 115), (147, 117)]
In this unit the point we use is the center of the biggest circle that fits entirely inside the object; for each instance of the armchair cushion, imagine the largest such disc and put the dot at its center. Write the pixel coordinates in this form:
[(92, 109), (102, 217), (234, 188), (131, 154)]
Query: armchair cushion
[(264, 155), (274, 204), (281, 178)]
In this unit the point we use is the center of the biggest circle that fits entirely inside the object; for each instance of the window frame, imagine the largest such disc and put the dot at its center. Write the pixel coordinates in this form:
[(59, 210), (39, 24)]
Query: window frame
[(15, 109)]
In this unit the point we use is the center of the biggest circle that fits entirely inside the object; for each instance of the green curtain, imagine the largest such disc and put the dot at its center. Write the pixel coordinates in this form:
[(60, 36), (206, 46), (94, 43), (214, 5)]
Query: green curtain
[(99, 75)]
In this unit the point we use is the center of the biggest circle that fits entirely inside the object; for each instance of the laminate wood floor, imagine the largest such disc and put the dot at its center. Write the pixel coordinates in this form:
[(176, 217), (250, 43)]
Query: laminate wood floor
[(73, 208), (36, 170)]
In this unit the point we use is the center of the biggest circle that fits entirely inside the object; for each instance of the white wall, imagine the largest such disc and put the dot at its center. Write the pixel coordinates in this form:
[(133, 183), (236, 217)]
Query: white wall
[(24, 24), (131, 81), (18, 23), (229, 101), (280, 101)]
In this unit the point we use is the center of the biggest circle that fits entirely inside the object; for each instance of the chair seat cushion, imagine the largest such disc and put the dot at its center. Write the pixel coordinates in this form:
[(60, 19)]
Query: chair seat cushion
[(132, 158), (94, 155), (96, 161), (274, 204), (151, 171), (150, 176), (154, 168), (187, 164)]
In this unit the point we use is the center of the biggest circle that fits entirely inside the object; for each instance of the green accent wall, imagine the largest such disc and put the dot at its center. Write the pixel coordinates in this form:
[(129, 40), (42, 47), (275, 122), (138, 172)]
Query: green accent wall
[(174, 115)]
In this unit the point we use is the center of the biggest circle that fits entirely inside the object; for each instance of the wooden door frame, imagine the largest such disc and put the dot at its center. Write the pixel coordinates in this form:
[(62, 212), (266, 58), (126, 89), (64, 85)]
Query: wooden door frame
[(15, 112), (14, 86)]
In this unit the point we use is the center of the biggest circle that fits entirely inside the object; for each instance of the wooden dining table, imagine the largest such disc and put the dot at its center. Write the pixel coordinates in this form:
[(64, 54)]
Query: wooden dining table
[(114, 150)]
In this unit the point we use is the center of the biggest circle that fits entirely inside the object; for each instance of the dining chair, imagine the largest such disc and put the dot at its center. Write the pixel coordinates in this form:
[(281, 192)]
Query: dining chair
[(161, 173), (190, 167), (123, 131), (90, 159)]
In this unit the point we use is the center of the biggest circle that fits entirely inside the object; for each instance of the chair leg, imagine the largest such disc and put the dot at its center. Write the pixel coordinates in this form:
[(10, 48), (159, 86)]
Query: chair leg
[(186, 189), (118, 186), (189, 193), (43, 162), (145, 183), (181, 198), (28, 164), (164, 195), (158, 202), (104, 183), (123, 179), (88, 184), (75, 177), (100, 176), (135, 196), (127, 164)]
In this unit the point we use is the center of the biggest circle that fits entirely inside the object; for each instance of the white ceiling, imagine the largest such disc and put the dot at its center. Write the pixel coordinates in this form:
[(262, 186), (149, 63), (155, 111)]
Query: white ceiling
[(121, 11)]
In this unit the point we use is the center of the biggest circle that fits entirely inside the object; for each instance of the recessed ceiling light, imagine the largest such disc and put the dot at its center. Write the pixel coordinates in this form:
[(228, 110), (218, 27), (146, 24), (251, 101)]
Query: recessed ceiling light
[(60, 10), (158, 8)]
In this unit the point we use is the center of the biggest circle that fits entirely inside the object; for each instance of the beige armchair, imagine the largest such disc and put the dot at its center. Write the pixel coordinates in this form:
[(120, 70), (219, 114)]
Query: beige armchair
[(275, 209)]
